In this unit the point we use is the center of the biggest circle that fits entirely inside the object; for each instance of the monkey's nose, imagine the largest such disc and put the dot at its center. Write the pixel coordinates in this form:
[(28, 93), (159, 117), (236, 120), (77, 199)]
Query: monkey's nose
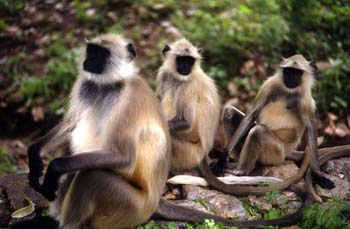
[(295, 64)]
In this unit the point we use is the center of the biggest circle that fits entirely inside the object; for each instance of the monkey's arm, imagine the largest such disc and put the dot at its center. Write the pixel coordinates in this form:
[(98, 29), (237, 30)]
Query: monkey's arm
[(246, 124), (178, 125), (83, 161), (182, 121), (318, 175), (55, 137)]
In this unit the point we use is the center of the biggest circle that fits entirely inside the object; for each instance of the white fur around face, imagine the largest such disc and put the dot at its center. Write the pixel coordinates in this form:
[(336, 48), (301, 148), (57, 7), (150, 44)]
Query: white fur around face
[(118, 67)]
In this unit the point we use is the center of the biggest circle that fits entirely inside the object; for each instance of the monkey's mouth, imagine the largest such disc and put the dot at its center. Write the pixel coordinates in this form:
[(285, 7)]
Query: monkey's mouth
[(292, 77), (184, 64)]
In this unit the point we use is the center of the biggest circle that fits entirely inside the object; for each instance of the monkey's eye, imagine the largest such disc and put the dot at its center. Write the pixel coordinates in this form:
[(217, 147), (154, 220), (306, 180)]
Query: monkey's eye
[(184, 64), (96, 58)]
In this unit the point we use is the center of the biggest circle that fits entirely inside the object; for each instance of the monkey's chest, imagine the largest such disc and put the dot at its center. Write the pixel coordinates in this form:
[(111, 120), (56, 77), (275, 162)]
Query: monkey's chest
[(89, 134), (285, 123)]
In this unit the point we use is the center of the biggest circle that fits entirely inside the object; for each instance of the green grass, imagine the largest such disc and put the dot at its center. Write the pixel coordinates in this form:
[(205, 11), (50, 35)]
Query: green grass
[(5, 162)]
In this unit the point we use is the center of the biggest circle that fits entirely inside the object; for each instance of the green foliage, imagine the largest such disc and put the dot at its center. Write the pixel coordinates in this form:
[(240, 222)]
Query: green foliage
[(204, 203), (14, 65), (272, 195), (3, 25), (333, 88), (61, 72), (82, 10), (153, 225), (208, 224), (34, 86), (5, 162), (11, 6), (232, 27), (335, 214)]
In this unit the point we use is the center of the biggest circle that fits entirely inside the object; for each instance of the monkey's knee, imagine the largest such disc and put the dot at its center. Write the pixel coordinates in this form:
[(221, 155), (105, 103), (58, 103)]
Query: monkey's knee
[(257, 132)]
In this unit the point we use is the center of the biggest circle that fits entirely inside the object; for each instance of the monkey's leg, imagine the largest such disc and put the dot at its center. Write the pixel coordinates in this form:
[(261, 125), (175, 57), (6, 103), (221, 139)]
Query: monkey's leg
[(260, 145), (55, 206), (102, 199), (232, 117), (55, 137), (82, 161)]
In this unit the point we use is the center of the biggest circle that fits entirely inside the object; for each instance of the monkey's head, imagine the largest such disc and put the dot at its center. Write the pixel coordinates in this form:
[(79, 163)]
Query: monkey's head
[(181, 58), (107, 58), (296, 72)]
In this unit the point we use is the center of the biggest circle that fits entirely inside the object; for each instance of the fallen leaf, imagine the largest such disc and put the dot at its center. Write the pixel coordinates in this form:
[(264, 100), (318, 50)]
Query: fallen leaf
[(38, 113), (23, 212)]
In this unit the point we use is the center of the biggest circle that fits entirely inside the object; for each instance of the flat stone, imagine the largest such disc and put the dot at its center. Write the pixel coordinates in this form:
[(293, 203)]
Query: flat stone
[(227, 206), (284, 171), (198, 193), (338, 166), (16, 188), (192, 204)]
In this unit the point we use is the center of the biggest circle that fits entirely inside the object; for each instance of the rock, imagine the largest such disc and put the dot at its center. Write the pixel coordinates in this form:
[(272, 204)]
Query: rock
[(192, 204), (227, 206), (16, 187), (192, 192), (220, 204), (5, 210), (293, 206), (342, 188), (338, 167), (260, 202), (291, 196), (286, 170)]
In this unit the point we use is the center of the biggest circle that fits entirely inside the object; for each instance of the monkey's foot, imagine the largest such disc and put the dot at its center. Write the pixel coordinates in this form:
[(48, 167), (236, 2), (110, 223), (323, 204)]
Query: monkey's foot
[(322, 181), (239, 172), (48, 193), (218, 168)]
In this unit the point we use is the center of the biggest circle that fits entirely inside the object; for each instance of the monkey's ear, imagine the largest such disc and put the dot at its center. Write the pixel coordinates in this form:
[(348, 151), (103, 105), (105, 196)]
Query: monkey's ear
[(131, 51), (199, 50), (165, 50), (282, 59), (314, 67)]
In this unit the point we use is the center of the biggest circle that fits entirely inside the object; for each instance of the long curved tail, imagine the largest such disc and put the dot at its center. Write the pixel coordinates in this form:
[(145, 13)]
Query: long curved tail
[(240, 190), (171, 211)]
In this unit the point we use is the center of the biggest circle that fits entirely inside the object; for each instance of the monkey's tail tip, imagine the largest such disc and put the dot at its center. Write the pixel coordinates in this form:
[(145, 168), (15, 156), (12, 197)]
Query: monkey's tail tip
[(40, 222)]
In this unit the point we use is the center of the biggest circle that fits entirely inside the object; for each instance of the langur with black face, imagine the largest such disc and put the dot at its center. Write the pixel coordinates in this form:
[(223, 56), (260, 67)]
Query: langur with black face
[(284, 109), (191, 104), (119, 144)]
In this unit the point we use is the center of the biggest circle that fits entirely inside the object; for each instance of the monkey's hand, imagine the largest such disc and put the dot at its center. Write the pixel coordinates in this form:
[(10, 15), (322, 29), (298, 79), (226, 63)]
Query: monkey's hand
[(50, 185), (35, 166), (322, 181), (218, 167)]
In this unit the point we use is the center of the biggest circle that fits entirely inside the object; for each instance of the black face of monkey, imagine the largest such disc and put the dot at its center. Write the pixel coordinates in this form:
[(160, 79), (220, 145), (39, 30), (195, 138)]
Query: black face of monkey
[(96, 58), (292, 77), (184, 64)]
